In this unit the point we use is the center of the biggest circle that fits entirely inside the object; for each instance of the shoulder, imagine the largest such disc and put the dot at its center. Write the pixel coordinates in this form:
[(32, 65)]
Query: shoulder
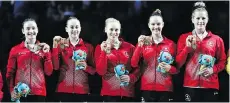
[(216, 36), (169, 41), (127, 44), (185, 34), (16, 47), (88, 44)]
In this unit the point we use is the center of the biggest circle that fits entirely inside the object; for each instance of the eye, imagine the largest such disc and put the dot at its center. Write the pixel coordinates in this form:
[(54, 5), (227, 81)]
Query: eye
[(71, 27), (111, 29), (116, 29), (203, 18), (198, 18), (158, 24)]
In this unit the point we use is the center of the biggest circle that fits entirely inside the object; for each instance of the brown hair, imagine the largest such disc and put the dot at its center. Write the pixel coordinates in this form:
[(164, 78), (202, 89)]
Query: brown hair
[(199, 6)]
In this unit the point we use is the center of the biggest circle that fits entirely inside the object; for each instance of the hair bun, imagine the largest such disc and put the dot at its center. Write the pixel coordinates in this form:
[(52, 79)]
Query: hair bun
[(199, 4), (157, 11)]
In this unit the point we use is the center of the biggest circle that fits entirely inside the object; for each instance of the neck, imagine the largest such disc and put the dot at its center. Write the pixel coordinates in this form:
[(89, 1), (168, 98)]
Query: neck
[(201, 34), (112, 40), (200, 31), (157, 38), (30, 41), (74, 41)]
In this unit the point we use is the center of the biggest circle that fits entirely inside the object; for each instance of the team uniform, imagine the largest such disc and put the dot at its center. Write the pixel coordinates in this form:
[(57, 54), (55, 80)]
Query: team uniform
[(155, 86), (30, 68), (1, 85), (105, 64), (197, 86), (73, 84)]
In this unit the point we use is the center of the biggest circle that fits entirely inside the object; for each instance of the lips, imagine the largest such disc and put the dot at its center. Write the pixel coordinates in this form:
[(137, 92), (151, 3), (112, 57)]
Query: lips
[(200, 24), (31, 33), (75, 32), (155, 29)]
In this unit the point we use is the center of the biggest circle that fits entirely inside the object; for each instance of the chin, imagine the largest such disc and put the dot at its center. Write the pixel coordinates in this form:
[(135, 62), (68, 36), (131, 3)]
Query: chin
[(201, 28)]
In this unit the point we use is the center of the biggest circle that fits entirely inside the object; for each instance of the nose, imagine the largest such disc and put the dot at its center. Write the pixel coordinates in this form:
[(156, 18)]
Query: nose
[(114, 32), (74, 28), (155, 26), (167, 57), (122, 69), (80, 54), (24, 91), (200, 20), (30, 30), (208, 60)]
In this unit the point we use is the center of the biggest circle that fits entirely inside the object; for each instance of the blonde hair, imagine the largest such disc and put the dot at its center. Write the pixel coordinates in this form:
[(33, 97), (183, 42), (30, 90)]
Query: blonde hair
[(199, 6), (111, 20)]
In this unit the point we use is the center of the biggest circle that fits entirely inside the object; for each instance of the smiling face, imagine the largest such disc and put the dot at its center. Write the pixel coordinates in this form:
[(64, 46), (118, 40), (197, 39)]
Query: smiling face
[(30, 30), (200, 19), (73, 28), (113, 30), (156, 24)]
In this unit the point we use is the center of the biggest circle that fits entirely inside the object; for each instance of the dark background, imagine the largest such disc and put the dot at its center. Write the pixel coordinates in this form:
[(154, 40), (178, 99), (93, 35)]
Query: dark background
[(51, 19)]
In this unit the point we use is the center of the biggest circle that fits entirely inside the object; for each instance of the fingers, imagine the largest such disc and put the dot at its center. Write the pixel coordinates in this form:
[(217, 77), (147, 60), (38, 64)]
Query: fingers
[(106, 46), (162, 65), (45, 47), (141, 38), (188, 41), (144, 40), (63, 41), (203, 70), (57, 38), (103, 44), (206, 74), (81, 63), (13, 95), (124, 78)]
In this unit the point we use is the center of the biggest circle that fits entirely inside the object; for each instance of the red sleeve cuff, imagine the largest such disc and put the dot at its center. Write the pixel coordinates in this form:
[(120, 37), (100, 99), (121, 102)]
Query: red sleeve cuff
[(48, 56), (138, 48), (55, 51), (103, 53), (188, 49), (11, 89), (90, 70), (173, 70), (136, 56), (215, 71), (1, 95), (132, 78)]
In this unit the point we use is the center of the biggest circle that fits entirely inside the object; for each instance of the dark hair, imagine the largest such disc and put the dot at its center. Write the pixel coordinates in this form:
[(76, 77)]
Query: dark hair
[(26, 20), (70, 18), (199, 6), (157, 12)]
